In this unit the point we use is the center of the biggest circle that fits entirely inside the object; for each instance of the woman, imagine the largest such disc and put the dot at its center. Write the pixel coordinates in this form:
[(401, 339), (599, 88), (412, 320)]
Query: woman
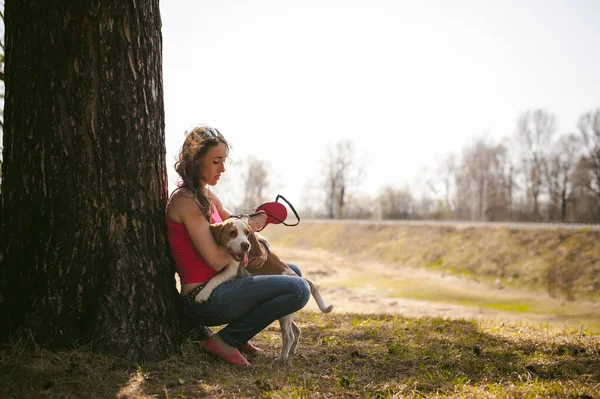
[(246, 305)]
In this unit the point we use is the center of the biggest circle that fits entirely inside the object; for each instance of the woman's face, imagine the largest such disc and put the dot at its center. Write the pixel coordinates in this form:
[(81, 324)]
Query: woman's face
[(213, 164)]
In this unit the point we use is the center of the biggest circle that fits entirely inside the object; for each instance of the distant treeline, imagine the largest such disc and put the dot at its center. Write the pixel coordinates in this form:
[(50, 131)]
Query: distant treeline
[(533, 175)]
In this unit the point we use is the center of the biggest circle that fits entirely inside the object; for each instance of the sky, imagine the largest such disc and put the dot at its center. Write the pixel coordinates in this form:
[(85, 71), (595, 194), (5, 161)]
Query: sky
[(405, 81)]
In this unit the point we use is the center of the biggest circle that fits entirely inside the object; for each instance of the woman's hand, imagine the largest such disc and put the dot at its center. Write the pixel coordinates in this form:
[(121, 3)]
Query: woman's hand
[(257, 261)]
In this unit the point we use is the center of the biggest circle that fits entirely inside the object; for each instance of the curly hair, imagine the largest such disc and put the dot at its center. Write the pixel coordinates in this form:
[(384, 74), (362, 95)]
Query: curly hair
[(198, 142)]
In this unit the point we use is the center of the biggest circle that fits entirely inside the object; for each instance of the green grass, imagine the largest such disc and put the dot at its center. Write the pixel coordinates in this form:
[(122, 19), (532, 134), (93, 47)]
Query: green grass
[(509, 307), (340, 356)]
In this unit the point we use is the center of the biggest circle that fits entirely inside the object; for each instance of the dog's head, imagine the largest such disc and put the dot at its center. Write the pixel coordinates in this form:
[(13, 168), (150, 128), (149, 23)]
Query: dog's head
[(234, 234)]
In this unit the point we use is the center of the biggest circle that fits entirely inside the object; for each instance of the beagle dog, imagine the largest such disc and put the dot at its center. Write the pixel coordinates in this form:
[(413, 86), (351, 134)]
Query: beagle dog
[(236, 235), (233, 234)]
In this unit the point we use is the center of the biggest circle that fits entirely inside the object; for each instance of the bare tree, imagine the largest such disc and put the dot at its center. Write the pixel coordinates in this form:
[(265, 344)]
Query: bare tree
[(360, 206), (424, 206), (583, 204), (589, 127), (441, 182), (535, 131), (395, 203), (559, 174), (256, 182), (342, 172), (483, 182)]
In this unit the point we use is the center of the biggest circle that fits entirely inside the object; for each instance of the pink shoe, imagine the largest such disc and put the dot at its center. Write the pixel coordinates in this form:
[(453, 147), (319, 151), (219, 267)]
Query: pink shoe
[(249, 348), (235, 358)]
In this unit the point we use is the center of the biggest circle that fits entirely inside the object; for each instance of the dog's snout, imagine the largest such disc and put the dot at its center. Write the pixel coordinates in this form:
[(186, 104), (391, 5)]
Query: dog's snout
[(245, 246)]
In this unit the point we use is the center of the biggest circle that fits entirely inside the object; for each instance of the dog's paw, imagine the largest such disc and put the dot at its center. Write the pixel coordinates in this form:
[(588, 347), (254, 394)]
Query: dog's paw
[(202, 296), (282, 360)]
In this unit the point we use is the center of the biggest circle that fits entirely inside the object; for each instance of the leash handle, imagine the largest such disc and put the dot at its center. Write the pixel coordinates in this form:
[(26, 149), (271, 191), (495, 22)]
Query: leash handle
[(291, 207), (249, 215)]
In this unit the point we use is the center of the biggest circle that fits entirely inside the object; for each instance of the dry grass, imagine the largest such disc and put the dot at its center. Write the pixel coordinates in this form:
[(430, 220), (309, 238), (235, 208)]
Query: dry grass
[(358, 355), (341, 356), (365, 286), (564, 263)]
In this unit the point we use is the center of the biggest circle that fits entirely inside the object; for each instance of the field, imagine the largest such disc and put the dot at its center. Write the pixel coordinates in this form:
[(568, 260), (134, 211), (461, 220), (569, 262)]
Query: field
[(404, 325), (563, 263)]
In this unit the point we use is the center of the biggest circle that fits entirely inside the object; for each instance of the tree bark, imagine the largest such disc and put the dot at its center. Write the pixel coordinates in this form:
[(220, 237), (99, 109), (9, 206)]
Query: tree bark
[(83, 251)]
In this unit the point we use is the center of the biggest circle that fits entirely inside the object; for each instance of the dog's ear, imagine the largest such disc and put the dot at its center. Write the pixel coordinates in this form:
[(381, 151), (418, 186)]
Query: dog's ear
[(216, 230), (257, 222), (255, 247)]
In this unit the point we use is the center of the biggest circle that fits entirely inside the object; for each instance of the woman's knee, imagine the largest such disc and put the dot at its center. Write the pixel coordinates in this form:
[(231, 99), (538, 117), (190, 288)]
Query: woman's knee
[(304, 291), (295, 268)]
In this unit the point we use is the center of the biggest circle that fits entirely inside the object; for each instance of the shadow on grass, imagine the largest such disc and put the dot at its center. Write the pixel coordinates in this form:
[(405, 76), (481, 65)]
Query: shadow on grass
[(434, 355), (340, 355), (30, 372)]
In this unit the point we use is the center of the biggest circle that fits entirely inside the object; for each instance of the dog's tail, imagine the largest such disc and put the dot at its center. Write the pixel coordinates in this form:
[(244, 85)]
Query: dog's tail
[(314, 290)]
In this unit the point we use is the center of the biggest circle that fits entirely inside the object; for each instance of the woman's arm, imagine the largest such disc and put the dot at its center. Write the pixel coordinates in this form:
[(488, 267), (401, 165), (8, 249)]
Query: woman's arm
[(198, 228), (264, 240), (225, 213)]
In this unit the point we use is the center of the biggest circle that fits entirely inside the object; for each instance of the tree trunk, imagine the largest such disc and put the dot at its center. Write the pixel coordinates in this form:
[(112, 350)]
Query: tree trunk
[(341, 201), (331, 198), (563, 206), (83, 251)]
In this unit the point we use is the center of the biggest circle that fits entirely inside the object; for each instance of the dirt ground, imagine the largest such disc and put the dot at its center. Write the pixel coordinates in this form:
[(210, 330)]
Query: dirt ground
[(361, 286), (330, 272)]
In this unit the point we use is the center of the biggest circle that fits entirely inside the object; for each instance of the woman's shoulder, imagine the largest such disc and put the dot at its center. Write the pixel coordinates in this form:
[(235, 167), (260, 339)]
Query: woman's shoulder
[(180, 195), (181, 202), (181, 190)]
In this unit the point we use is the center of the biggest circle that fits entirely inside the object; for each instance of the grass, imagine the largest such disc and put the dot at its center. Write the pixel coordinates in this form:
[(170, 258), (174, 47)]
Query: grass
[(340, 356), (430, 291), (352, 355), (452, 290)]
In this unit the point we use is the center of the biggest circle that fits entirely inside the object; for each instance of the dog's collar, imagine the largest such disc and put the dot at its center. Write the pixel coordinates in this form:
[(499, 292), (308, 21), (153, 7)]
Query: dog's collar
[(245, 215)]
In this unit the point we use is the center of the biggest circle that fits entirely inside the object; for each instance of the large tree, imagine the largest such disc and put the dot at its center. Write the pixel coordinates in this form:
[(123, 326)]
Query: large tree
[(83, 254)]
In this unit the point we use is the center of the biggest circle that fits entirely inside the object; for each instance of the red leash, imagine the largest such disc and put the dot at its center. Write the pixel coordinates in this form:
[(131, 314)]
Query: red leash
[(276, 212)]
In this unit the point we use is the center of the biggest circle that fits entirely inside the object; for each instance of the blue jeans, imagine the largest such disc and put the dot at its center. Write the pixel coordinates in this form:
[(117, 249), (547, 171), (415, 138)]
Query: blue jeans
[(248, 305)]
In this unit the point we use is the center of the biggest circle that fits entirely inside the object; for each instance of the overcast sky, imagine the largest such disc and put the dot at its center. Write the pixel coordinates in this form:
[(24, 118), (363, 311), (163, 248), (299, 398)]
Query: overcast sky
[(406, 81)]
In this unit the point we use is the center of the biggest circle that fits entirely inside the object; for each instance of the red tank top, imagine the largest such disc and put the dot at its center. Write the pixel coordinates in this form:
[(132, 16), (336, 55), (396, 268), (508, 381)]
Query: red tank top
[(190, 265)]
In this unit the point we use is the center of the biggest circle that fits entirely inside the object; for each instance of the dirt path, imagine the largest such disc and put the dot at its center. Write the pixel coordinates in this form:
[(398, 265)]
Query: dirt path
[(368, 287)]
